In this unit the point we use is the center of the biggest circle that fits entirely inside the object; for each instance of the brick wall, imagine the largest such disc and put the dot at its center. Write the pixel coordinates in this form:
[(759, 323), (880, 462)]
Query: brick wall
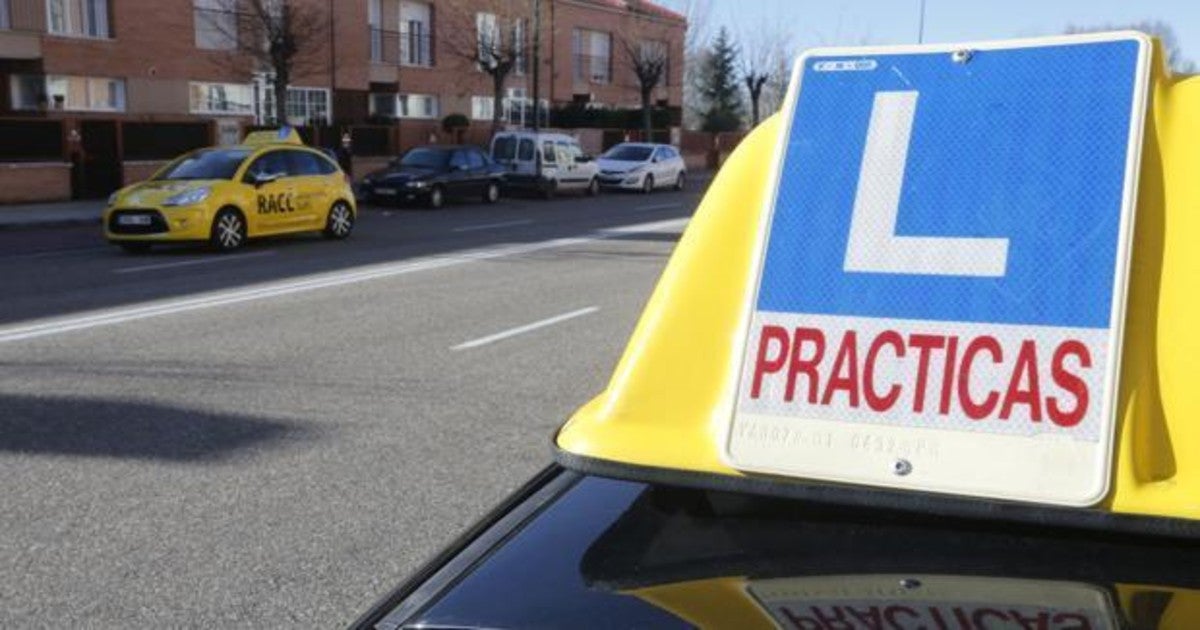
[(35, 181), (136, 171)]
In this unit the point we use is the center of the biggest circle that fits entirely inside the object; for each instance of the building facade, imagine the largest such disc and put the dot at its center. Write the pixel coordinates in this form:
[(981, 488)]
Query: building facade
[(98, 92)]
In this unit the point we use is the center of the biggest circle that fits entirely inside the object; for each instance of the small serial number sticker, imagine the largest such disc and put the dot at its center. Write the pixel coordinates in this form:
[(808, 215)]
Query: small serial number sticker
[(845, 65)]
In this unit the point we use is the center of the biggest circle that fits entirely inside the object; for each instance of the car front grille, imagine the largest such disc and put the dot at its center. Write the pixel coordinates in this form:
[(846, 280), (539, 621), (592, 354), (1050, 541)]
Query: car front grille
[(157, 224)]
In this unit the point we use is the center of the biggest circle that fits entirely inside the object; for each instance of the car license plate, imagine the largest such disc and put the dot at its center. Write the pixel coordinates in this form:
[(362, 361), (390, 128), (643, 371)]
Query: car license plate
[(923, 319), (903, 601), (385, 191), (133, 219)]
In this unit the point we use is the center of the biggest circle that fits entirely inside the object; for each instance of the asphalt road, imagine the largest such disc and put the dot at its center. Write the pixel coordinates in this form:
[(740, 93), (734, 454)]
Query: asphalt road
[(276, 437)]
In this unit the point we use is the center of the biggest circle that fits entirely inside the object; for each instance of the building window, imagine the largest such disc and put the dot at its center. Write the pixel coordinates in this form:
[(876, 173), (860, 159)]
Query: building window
[(222, 98), (519, 44), (416, 34), (216, 25), (652, 52), (68, 93), (305, 106), (516, 108), (481, 107), (383, 105), (78, 18), (592, 55), (487, 33), (375, 21), (417, 106)]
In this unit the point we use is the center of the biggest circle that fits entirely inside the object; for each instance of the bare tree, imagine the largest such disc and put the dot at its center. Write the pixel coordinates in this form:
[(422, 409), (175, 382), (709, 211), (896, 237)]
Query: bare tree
[(648, 53), (764, 60), (491, 36), (284, 38), (695, 52), (1157, 28)]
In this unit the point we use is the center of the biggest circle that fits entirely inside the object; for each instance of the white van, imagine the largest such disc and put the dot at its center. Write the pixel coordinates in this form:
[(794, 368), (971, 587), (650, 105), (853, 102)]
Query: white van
[(564, 164)]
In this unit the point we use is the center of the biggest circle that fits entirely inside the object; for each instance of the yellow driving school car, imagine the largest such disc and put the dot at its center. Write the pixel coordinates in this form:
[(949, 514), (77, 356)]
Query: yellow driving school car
[(270, 184)]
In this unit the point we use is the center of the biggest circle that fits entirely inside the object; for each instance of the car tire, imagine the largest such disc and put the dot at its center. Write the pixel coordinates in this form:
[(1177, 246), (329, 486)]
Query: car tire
[(648, 185), (680, 181), (340, 222), (228, 231), (593, 188), (491, 193), (134, 248), (437, 198)]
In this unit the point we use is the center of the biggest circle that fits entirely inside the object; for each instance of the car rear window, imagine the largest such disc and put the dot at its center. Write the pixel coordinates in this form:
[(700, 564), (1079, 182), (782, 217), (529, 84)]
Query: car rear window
[(526, 151), (505, 147), (206, 164), (426, 158), (626, 153)]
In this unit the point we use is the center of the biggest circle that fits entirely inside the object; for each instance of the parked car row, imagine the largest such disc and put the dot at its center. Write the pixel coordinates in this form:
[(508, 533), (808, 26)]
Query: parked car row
[(540, 162), (272, 184)]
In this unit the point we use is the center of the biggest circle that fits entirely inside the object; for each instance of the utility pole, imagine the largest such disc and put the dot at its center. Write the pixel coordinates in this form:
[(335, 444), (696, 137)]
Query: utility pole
[(537, 65), (921, 25)]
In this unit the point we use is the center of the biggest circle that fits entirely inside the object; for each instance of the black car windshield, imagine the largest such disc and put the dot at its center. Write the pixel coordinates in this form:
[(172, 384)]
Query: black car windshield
[(425, 158), (206, 164), (626, 153)]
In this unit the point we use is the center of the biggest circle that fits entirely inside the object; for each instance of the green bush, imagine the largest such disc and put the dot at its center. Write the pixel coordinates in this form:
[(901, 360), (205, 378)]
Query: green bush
[(454, 122)]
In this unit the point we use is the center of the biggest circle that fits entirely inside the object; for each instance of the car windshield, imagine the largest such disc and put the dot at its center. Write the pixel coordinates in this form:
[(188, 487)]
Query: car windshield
[(504, 148), (424, 158), (628, 153), (206, 164)]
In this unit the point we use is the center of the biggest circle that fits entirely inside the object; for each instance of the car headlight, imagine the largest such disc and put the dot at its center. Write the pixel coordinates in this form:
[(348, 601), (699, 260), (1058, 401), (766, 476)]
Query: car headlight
[(188, 197), (113, 197)]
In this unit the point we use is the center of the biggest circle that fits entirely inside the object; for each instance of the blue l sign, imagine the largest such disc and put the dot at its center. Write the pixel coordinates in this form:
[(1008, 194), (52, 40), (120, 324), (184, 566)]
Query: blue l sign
[(946, 257)]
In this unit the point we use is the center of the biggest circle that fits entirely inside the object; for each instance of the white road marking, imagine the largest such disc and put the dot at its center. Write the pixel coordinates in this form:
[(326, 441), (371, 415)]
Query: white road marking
[(54, 326), (197, 261), (660, 206), (520, 330), (489, 226)]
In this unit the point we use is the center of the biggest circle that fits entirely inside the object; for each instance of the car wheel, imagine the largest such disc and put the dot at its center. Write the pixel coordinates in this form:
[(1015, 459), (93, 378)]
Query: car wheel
[(491, 194), (648, 185), (228, 230), (135, 248), (549, 189), (593, 188), (340, 222), (680, 181), (437, 197)]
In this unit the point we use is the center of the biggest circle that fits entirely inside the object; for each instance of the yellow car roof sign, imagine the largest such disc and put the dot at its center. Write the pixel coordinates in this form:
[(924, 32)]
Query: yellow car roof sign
[(1019, 351), (283, 135)]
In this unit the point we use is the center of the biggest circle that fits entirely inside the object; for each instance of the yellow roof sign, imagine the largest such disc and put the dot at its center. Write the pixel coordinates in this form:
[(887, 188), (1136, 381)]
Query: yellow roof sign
[(283, 135), (665, 414)]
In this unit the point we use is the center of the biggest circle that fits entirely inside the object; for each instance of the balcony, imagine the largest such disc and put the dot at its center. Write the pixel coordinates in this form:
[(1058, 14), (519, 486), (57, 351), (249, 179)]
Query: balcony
[(592, 68), (22, 23), (401, 48)]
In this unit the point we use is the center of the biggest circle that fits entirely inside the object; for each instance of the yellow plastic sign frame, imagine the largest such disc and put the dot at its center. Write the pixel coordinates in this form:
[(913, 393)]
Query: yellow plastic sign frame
[(663, 414)]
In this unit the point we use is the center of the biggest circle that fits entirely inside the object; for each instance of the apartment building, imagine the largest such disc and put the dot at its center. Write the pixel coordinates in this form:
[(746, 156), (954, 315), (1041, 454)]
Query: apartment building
[(94, 93)]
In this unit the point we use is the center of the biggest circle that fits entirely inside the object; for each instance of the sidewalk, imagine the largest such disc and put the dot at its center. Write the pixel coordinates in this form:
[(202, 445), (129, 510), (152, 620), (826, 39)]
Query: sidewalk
[(39, 215)]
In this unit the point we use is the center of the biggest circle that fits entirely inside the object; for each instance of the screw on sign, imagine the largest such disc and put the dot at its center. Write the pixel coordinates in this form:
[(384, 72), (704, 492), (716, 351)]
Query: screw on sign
[(945, 263)]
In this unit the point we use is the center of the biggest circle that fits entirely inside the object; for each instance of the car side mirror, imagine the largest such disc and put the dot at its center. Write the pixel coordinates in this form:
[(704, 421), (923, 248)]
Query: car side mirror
[(265, 178)]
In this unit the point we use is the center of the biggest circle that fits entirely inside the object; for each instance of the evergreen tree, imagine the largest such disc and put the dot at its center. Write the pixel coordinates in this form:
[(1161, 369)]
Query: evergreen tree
[(719, 87)]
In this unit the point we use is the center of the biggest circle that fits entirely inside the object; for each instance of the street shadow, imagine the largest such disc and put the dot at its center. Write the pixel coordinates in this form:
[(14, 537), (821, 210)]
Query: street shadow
[(91, 427)]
